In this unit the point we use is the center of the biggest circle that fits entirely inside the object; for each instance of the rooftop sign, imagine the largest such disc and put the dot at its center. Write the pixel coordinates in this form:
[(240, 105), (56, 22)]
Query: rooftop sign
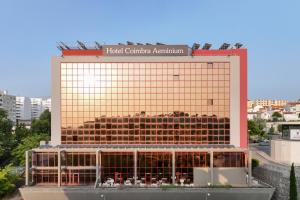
[(145, 50)]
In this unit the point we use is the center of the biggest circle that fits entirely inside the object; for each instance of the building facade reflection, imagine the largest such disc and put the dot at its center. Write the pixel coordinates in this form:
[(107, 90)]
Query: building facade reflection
[(145, 103)]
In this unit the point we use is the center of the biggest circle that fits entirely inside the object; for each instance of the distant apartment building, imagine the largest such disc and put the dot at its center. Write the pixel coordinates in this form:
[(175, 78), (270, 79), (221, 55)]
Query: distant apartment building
[(8, 103), (39, 105), (250, 104), (293, 107), (269, 102), (23, 109), (291, 116), (47, 103)]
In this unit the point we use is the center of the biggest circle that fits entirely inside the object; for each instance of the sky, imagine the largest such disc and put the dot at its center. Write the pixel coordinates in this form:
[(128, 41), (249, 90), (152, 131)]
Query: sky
[(269, 29)]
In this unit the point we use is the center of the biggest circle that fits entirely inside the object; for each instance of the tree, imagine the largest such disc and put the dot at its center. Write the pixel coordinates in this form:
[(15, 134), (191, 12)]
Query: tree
[(43, 124), (256, 128), (276, 116), (14, 144), (6, 137), (30, 142), (272, 130), (293, 184), (21, 132), (8, 180), (279, 128)]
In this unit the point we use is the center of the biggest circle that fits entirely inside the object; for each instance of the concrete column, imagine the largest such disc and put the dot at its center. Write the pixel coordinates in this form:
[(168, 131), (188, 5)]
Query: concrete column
[(97, 164), (58, 168), (173, 168), (211, 167), (249, 167), (100, 164), (31, 154), (27, 168), (135, 166)]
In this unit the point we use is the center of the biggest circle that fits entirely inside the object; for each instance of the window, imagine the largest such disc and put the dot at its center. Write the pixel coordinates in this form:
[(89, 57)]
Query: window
[(176, 77), (105, 103)]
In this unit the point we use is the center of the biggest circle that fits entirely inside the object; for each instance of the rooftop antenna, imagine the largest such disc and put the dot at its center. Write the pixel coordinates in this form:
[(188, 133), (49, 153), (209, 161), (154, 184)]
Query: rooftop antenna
[(98, 45), (224, 46), (82, 45), (238, 45), (64, 45), (130, 43), (59, 46), (206, 46), (196, 46)]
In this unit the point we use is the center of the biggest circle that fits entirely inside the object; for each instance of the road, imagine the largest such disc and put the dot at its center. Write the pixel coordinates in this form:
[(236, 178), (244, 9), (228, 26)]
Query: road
[(263, 148)]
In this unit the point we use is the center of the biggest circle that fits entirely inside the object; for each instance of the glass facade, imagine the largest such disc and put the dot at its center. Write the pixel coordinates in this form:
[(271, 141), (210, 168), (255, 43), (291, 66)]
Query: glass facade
[(229, 159), (118, 166), (45, 177), (45, 159), (145, 103), (140, 103), (186, 162), (152, 167), (79, 159), (78, 177)]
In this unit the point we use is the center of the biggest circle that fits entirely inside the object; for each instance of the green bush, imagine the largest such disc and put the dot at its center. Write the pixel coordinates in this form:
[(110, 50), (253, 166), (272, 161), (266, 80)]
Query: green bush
[(8, 180), (255, 163)]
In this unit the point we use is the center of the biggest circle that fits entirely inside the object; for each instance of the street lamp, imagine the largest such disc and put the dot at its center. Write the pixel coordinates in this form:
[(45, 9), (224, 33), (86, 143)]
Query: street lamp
[(207, 195), (102, 197)]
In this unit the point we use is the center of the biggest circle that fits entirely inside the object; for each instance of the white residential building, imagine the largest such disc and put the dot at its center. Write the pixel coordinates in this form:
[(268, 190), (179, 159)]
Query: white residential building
[(291, 116), (269, 102), (8, 103), (293, 107), (46, 103), (39, 105), (23, 108)]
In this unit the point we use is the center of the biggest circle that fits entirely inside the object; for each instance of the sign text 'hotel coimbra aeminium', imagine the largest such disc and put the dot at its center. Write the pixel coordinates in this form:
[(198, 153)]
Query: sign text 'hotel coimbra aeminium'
[(145, 50)]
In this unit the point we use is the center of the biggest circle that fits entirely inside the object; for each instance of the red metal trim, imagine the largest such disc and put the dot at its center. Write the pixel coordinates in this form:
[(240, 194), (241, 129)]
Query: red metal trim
[(242, 53), (81, 52), (244, 98)]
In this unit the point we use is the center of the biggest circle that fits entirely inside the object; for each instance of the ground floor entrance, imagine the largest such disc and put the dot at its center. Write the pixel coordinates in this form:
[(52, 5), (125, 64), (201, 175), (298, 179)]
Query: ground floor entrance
[(141, 167)]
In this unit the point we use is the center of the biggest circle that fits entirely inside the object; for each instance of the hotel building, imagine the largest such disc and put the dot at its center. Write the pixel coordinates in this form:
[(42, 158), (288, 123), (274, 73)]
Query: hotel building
[(145, 115)]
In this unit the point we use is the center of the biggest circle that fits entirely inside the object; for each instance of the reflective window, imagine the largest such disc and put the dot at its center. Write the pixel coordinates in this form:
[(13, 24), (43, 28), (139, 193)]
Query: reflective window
[(185, 162), (44, 159), (154, 167), (145, 103), (117, 166), (229, 159)]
